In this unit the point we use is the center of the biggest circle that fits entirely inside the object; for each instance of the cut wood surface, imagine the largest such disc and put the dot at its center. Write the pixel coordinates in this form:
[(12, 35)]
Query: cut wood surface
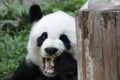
[(100, 56)]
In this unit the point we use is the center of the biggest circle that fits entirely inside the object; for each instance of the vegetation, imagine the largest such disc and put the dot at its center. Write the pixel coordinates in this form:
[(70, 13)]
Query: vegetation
[(15, 28)]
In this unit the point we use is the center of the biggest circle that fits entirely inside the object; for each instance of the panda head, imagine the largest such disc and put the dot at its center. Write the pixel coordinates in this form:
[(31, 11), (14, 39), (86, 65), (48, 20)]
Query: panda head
[(50, 36)]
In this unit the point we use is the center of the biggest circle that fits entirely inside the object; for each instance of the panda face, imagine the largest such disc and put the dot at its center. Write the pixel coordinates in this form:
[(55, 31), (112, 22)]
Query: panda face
[(53, 46), (50, 36)]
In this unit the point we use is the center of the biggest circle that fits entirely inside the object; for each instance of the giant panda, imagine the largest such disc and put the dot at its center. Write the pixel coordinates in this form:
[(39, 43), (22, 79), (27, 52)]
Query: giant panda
[(51, 48)]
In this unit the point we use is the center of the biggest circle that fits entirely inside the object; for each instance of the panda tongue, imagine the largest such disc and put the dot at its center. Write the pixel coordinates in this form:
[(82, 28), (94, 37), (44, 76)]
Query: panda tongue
[(49, 67)]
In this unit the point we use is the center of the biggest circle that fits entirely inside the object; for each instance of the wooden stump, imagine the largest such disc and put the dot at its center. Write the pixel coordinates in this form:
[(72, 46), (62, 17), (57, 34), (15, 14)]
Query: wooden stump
[(100, 56)]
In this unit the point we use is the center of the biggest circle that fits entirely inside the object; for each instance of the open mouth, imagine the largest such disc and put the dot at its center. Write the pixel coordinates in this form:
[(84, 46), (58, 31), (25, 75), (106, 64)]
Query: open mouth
[(49, 65)]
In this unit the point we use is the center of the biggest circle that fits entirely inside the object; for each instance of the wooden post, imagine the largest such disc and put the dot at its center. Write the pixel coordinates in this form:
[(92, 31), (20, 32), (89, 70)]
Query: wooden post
[(100, 56)]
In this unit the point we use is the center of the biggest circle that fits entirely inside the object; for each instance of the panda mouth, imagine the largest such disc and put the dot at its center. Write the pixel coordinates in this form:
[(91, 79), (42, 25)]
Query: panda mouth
[(49, 65)]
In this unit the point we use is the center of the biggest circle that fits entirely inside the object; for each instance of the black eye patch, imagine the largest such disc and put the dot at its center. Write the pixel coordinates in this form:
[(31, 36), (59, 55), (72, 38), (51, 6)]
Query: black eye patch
[(41, 39), (65, 40)]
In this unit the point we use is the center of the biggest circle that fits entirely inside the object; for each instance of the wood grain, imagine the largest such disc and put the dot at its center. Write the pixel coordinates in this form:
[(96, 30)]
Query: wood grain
[(100, 54)]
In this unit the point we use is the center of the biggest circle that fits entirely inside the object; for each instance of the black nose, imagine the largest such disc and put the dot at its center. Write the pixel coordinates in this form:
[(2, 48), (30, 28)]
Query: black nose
[(51, 51)]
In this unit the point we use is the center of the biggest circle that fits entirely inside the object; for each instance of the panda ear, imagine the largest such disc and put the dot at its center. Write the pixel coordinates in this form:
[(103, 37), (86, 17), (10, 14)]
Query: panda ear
[(35, 13)]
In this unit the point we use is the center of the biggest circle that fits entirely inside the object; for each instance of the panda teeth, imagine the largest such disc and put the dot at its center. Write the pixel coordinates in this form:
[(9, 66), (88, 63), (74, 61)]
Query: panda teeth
[(49, 65), (52, 62)]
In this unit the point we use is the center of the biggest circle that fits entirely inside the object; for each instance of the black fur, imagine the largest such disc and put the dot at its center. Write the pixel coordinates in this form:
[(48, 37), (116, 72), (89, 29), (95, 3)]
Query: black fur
[(41, 39), (26, 72), (65, 63), (29, 71), (65, 66), (35, 13), (66, 41)]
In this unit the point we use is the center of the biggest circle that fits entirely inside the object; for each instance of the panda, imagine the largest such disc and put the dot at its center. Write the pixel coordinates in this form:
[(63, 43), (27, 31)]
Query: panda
[(51, 48)]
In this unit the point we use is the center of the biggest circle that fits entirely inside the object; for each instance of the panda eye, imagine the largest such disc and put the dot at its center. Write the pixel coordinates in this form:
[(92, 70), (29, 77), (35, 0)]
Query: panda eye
[(44, 36), (41, 39), (65, 40)]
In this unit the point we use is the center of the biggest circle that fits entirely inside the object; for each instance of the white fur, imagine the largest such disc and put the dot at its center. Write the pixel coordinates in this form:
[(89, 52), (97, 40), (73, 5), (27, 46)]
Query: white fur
[(56, 43), (54, 24)]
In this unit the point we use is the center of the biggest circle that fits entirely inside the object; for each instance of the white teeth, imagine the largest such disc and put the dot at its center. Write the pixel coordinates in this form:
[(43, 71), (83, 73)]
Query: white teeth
[(52, 62)]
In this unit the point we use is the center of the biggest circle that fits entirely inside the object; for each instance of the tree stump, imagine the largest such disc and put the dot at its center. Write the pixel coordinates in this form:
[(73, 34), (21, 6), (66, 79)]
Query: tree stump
[(100, 56)]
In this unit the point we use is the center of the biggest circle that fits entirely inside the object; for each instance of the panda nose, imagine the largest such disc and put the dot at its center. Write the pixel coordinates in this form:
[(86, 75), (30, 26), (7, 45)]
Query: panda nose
[(51, 51)]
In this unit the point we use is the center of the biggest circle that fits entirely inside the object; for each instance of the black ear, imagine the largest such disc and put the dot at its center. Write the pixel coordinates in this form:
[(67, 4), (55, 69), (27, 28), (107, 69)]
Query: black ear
[(35, 13)]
